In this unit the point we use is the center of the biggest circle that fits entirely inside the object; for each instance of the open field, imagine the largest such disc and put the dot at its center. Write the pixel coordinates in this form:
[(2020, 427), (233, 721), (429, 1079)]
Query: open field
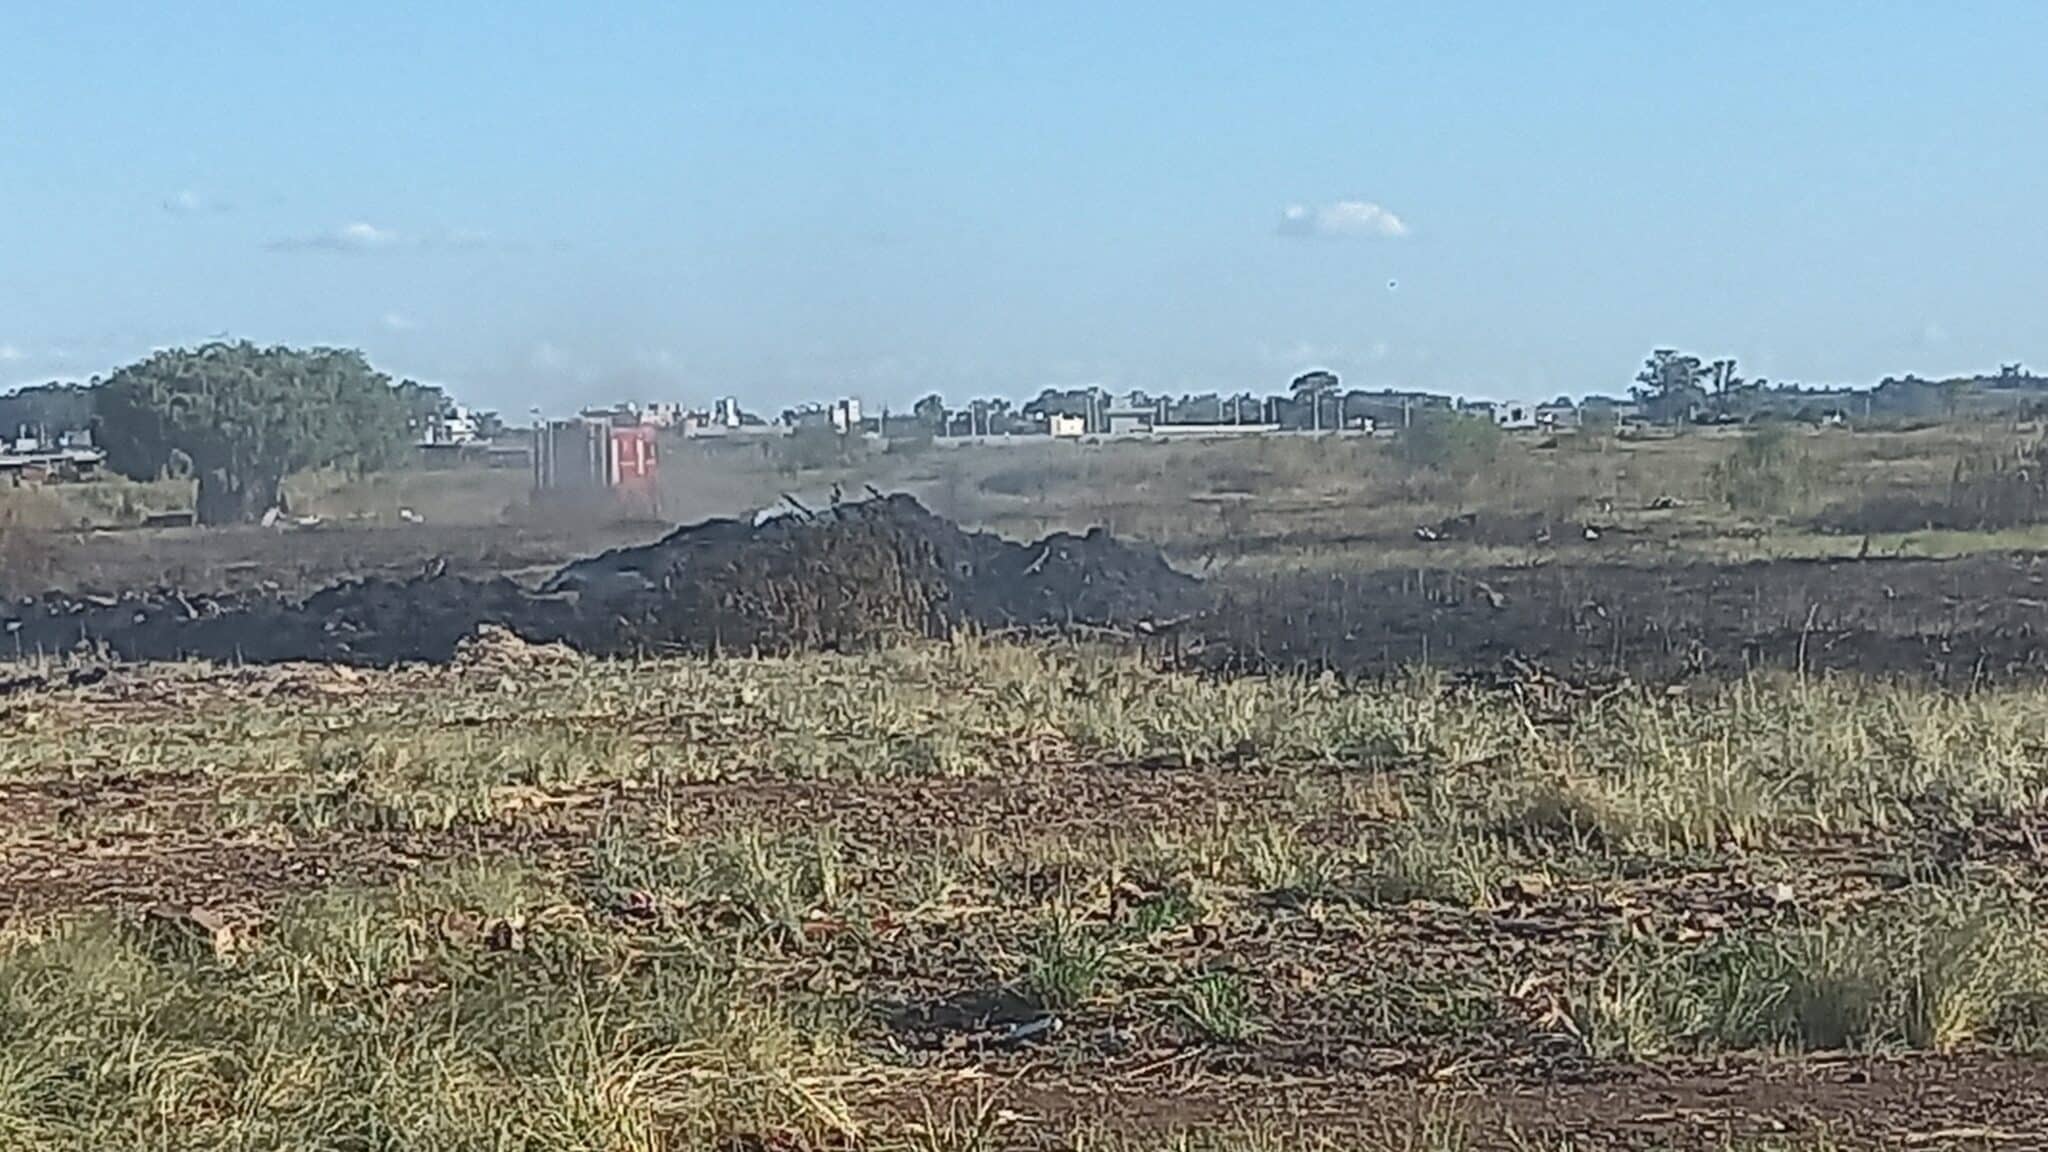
[(1632, 810), (979, 895), (1253, 506)]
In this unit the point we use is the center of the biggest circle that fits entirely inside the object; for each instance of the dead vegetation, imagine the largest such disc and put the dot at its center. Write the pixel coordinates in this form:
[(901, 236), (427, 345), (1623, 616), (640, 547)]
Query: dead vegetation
[(944, 896)]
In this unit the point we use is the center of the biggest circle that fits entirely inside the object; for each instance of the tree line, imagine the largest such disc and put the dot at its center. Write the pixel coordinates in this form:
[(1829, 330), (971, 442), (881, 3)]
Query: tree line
[(1675, 387), (1672, 387), (1314, 399)]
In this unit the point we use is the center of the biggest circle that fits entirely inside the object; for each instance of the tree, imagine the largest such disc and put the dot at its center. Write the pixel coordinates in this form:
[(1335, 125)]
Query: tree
[(1721, 374), (1669, 386), (1087, 403), (931, 412), (424, 403), (996, 420), (247, 417), (1310, 387)]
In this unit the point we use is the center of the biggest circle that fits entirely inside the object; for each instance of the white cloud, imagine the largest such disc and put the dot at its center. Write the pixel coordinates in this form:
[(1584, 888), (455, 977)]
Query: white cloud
[(363, 236), (359, 236), (10, 353), (1342, 218), (398, 322), (366, 236), (1934, 333), (192, 202)]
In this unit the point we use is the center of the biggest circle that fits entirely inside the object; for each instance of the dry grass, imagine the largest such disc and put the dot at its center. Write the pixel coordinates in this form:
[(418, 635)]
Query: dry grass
[(664, 904)]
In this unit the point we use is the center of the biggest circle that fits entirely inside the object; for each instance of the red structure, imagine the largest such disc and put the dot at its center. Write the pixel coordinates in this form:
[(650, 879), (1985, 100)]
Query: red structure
[(592, 458), (633, 467)]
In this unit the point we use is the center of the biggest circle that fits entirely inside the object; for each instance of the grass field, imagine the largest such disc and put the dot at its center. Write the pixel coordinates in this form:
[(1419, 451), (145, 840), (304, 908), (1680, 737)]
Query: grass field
[(985, 895)]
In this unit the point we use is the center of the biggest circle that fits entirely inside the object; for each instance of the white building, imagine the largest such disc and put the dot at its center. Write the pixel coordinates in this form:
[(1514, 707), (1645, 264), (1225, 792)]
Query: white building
[(662, 414), (846, 416), (457, 425), (1514, 417), (1067, 427)]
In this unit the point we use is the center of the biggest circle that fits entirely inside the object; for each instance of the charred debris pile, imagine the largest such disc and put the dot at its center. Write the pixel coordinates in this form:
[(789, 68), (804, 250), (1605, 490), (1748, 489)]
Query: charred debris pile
[(846, 577)]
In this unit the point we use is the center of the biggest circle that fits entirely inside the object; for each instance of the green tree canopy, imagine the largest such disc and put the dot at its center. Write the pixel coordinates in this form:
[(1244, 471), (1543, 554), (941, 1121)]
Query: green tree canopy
[(247, 417), (931, 412)]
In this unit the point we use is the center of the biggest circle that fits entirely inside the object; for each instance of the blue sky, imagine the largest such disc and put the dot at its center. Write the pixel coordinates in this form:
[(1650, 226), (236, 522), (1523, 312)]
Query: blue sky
[(555, 204)]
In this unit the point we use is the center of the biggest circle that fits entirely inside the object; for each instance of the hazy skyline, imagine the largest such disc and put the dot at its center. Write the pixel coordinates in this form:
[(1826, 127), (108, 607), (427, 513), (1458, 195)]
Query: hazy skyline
[(565, 204)]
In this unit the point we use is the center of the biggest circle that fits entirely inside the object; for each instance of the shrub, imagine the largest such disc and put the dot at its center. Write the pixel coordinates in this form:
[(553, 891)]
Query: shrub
[(1766, 474), (29, 550), (2003, 489), (818, 449), (1988, 490), (1451, 443)]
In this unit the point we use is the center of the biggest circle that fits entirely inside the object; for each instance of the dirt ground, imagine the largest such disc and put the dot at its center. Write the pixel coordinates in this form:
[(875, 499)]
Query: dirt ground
[(1417, 1023)]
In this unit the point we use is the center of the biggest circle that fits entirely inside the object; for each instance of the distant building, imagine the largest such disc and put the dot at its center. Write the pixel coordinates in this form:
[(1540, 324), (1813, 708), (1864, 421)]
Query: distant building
[(1557, 416), (454, 427), (28, 459), (1067, 427), (1608, 411), (1131, 415), (1130, 421), (809, 416), (845, 416), (1514, 417)]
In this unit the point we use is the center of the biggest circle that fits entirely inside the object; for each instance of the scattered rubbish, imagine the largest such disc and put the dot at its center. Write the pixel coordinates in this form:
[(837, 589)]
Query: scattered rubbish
[(1449, 528), (1023, 1033)]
